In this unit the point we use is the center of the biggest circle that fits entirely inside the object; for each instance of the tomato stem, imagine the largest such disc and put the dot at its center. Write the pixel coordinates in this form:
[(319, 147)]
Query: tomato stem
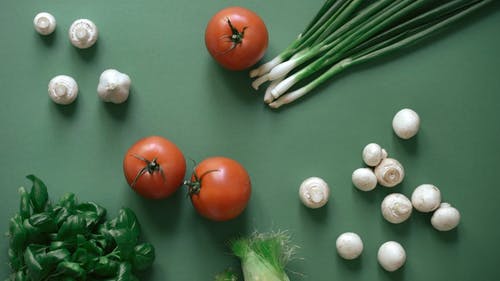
[(151, 167), (194, 187), (236, 36)]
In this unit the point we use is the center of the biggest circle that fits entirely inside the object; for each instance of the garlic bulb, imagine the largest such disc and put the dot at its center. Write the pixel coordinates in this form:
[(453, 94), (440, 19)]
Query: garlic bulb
[(391, 256), (63, 89), (406, 123), (113, 86), (426, 198), (349, 245), (396, 208), (314, 192), (445, 218), (83, 33), (373, 154), (364, 179), (44, 23), (389, 172)]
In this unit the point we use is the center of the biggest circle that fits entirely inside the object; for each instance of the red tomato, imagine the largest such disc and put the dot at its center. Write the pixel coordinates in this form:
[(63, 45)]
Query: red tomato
[(219, 188), (236, 38), (154, 167)]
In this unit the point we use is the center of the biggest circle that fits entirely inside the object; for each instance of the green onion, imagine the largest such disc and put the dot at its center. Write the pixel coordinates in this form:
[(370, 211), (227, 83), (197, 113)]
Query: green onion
[(345, 33)]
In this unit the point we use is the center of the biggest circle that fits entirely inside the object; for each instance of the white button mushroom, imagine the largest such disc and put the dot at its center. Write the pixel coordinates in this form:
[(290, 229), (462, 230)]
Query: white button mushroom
[(314, 192), (426, 198), (44, 23), (445, 218), (63, 89), (83, 33), (373, 154), (364, 179), (406, 123), (389, 172), (113, 86), (349, 245), (396, 208), (391, 256)]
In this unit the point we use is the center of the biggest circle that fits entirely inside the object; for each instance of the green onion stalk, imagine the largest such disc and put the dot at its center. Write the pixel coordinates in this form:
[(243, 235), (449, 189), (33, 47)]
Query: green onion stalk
[(345, 33)]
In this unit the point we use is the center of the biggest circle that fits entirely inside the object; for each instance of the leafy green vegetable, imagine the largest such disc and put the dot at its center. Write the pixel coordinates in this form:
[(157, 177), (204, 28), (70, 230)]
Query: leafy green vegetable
[(264, 256), (39, 195), (24, 203), (227, 275), (69, 241), (143, 257)]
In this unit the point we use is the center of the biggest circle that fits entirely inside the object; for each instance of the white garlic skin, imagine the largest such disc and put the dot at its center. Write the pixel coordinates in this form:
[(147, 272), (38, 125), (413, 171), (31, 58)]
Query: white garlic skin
[(445, 218), (83, 33), (349, 245), (44, 23), (396, 208), (63, 89), (364, 179), (426, 198), (406, 123), (391, 256), (373, 154), (389, 172), (314, 192), (113, 86)]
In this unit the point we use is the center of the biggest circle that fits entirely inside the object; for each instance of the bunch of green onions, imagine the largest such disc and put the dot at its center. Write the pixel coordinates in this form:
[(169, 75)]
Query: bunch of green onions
[(345, 33)]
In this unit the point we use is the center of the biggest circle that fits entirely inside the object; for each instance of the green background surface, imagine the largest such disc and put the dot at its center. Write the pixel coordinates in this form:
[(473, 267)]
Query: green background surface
[(178, 92)]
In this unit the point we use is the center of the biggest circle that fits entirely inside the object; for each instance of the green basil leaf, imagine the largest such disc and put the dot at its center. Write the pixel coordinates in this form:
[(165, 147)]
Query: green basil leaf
[(125, 241), (16, 260), (57, 256), (35, 234), (68, 201), (24, 203), (105, 267), (61, 214), (143, 257), (44, 222), (128, 220), (55, 245), (39, 195), (20, 276), (92, 212), (35, 270), (17, 233), (73, 225), (124, 272), (72, 269)]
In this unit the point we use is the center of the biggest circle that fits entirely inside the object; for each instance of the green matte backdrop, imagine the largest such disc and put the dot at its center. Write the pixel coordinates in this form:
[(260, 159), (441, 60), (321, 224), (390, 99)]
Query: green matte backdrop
[(179, 92)]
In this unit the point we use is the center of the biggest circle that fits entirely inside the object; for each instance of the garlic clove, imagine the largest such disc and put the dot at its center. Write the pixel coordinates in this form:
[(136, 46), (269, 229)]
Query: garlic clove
[(373, 154), (44, 23), (63, 89), (113, 86), (83, 33), (445, 218), (396, 208), (389, 172), (314, 192), (406, 123), (364, 179)]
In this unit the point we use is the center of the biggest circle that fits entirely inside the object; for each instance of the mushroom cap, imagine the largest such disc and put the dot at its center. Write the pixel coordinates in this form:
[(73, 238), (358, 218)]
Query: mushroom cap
[(445, 218), (83, 33), (63, 89), (314, 192), (44, 23), (349, 245), (364, 179), (391, 256), (426, 198), (396, 208), (406, 123), (373, 154), (389, 172)]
